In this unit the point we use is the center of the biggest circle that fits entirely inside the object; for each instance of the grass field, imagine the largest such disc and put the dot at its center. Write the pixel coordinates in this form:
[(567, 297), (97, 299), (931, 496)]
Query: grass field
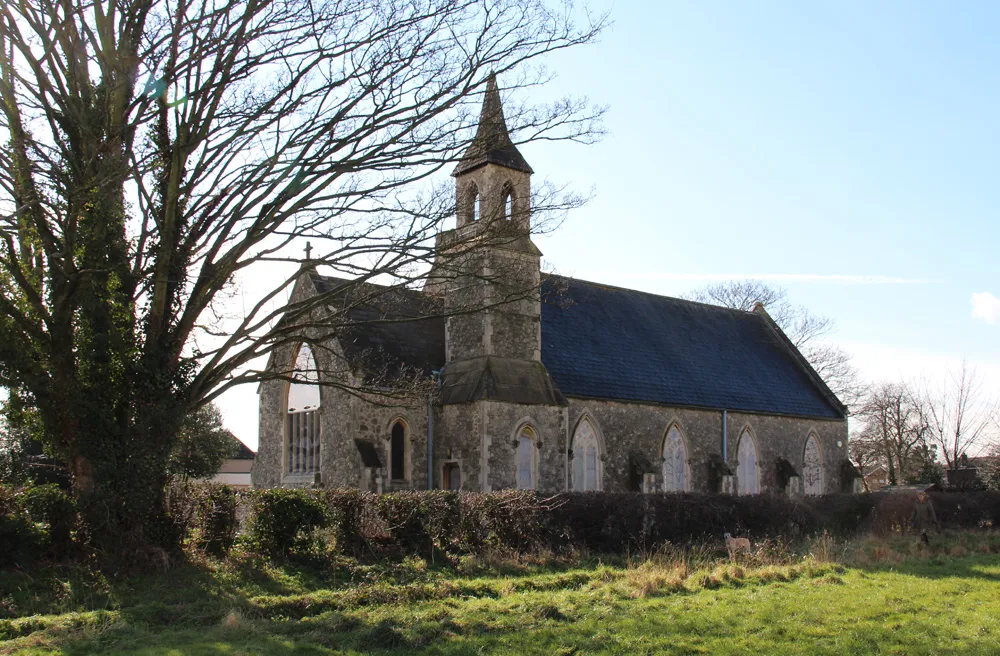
[(870, 597)]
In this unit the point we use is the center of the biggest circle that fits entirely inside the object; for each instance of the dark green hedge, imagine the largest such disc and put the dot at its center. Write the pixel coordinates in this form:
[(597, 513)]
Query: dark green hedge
[(450, 523), (40, 522)]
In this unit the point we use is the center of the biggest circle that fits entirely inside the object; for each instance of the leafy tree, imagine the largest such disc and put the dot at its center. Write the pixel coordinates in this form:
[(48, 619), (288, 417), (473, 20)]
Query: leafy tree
[(203, 443), (157, 149)]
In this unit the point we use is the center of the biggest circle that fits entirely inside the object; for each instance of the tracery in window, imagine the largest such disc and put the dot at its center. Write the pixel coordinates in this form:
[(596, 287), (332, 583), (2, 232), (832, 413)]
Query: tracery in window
[(812, 467), (675, 467), (586, 455), (747, 472), (303, 421)]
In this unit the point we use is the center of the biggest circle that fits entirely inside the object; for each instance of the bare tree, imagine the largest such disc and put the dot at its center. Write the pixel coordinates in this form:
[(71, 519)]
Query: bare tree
[(962, 417), (157, 149), (866, 452), (896, 428), (806, 330)]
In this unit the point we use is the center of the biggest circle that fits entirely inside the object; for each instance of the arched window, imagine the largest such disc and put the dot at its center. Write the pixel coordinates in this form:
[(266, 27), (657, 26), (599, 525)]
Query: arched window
[(586, 456), (675, 467), (398, 451), (812, 467), (747, 472), (507, 197), (527, 457), (469, 205), (303, 414)]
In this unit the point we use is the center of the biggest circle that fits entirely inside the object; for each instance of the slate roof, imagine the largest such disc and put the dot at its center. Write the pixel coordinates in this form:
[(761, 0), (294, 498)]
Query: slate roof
[(492, 144), (606, 342), (610, 343), (390, 329)]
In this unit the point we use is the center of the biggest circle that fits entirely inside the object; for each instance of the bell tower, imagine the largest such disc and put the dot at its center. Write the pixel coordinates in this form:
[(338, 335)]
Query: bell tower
[(493, 180), (487, 271)]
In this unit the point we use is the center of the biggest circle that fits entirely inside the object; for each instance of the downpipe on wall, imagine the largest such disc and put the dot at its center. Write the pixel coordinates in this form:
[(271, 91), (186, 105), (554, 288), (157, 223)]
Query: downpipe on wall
[(436, 378)]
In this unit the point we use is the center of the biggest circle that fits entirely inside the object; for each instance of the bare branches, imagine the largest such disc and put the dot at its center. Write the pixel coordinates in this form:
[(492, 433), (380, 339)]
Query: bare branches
[(161, 149), (962, 419)]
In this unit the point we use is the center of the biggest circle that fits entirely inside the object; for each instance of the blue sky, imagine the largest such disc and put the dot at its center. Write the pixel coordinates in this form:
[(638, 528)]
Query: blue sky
[(848, 152)]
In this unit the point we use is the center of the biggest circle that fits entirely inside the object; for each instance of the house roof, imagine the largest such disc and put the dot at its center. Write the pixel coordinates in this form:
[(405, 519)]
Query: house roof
[(606, 342), (492, 143), (240, 450)]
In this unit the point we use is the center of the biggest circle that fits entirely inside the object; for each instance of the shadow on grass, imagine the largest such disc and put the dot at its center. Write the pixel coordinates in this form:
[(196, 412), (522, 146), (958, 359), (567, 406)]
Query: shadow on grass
[(944, 567)]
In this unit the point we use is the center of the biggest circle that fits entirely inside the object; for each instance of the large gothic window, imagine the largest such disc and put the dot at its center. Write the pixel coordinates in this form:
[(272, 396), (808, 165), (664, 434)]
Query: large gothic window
[(812, 467), (398, 451), (585, 458), (303, 425), (527, 458), (748, 472), (675, 469)]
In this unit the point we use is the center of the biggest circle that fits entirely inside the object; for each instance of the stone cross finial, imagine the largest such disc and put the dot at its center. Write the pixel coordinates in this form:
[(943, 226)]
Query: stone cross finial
[(308, 251)]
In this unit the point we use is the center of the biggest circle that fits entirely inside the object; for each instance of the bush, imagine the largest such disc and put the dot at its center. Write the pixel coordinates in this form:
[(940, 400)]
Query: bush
[(283, 522), (20, 539), (350, 512), (36, 522), (217, 519), (55, 510), (422, 522)]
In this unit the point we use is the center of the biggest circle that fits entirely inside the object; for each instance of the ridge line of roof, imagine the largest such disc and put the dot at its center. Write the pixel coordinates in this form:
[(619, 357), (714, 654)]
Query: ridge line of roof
[(653, 294)]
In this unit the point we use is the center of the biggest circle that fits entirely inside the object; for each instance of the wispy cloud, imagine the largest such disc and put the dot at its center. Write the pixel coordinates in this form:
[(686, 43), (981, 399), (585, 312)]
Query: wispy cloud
[(847, 279), (986, 306)]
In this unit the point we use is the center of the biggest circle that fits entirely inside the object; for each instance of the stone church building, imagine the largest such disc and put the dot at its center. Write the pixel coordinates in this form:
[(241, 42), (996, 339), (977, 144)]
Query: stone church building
[(573, 385)]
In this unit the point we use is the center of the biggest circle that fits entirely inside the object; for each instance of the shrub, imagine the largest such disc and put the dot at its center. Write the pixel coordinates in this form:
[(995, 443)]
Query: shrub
[(350, 514), (284, 521), (55, 510), (217, 519), (20, 540), (36, 522), (422, 522)]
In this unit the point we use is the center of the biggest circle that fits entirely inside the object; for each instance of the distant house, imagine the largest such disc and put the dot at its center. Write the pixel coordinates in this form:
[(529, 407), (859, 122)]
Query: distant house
[(967, 474), (235, 470), (876, 478)]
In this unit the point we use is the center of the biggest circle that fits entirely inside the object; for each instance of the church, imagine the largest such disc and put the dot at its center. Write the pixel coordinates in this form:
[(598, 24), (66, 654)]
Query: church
[(525, 380)]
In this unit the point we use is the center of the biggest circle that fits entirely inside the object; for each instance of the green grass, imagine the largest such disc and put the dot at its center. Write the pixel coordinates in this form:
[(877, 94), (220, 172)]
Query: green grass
[(879, 597)]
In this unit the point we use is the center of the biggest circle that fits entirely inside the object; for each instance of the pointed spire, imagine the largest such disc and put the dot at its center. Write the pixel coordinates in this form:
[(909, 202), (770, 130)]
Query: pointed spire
[(492, 144)]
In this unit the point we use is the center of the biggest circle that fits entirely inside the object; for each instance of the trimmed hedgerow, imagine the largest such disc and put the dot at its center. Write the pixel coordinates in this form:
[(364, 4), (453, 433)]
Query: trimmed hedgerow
[(284, 521)]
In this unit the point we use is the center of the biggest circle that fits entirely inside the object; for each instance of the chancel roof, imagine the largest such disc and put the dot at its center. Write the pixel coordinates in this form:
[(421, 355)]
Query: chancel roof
[(610, 343)]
